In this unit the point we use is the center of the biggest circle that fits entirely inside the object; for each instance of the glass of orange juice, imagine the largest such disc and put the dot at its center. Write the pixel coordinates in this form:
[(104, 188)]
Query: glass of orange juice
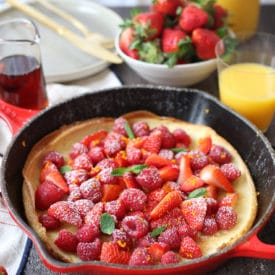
[(246, 73), (243, 14)]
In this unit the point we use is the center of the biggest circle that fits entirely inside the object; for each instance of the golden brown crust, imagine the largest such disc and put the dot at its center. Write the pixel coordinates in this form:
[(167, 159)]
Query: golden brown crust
[(62, 140)]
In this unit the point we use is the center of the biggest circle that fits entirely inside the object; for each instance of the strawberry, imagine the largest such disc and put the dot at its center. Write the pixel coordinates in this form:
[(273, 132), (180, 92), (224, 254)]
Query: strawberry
[(65, 211), (211, 191), (167, 6), (192, 17), (220, 15), (191, 184), (170, 201), (213, 175), (205, 41), (157, 250), (95, 138), (111, 253), (121, 159), (194, 211), (46, 194), (204, 144), (153, 142), (125, 42), (157, 161), (189, 248), (110, 192), (148, 25), (3, 270), (176, 44), (169, 173), (185, 169), (229, 200), (129, 180), (50, 172)]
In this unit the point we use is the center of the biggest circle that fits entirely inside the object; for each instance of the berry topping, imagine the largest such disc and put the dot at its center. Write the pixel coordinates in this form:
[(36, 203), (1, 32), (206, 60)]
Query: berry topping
[(141, 257), (66, 240), (133, 199), (149, 178), (135, 226), (111, 253), (49, 222), (91, 190), (89, 251), (226, 217), (219, 154), (189, 248), (54, 157), (170, 257)]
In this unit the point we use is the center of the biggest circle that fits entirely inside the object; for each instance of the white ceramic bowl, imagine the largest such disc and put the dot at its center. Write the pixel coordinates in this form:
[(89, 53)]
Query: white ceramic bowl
[(179, 76)]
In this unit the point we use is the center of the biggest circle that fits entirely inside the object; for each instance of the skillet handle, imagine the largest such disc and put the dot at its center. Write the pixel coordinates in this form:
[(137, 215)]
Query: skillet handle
[(15, 117), (255, 248)]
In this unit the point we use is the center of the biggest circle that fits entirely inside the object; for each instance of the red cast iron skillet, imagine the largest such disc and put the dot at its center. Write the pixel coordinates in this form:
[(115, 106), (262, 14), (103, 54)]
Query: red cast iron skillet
[(186, 104)]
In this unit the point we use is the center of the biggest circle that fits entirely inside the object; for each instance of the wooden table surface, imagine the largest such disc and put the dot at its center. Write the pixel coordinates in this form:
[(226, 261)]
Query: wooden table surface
[(240, 266)]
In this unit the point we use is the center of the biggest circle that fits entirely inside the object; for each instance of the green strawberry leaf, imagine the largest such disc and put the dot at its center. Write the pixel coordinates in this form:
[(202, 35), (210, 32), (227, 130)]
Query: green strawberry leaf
[(65, 168), (129, 130), (136, 169), (200, 192), (107, 224), (157, 231)]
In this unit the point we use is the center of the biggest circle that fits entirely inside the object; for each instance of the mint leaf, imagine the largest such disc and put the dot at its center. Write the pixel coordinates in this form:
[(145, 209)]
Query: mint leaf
[(178, 150), (200, 192), (129, 130), (107, 223), (157, 231), (136, 169), (65, 168)]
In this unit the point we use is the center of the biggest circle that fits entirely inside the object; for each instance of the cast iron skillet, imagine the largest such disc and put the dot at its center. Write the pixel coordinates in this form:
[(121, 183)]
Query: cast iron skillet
[(186, 104)]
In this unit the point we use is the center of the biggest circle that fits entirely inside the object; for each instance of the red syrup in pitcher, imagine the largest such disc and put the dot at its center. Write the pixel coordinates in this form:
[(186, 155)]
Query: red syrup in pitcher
[(22, 82)]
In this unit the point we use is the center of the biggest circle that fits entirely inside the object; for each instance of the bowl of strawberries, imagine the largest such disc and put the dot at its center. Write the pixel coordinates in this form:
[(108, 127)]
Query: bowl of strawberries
[(173, 42)]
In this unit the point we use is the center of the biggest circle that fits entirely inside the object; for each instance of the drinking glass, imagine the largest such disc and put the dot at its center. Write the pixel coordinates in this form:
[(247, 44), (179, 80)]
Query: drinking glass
[(22, 81), (246, 73)]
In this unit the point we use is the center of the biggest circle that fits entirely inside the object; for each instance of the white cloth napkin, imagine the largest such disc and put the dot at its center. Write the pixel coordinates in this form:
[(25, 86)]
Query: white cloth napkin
[(14, 243)]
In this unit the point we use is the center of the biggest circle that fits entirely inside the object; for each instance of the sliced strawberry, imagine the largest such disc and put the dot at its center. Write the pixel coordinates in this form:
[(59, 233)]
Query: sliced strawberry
[(169, 173), (50, 172), (185, 169), (156, 160), (204, 144), (156, 251), (111, 253), (65, 211), (95, 138), (229, 200), (213, 175), (153, 142), (189, 248), (111, 192), (211, 191), (191, 184), (121, 159), (194, 211), (129, 180), (170, 201)]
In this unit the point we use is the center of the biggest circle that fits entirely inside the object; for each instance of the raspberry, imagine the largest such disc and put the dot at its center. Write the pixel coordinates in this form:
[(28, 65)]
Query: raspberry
[(84, 206), (54, 157), (153, 142), (113, 143), (91, 189), (96, 154), (75, 193), (134, 155), (135, 226), (209, 226), (49, 222), (89, 251), (166, 153), (106, 163), (87, 233), (170, 257), (141, 257), (116, 208), (212, 206), (46, 194), (167, 139), (119, 126), (77, 149), (93, 216), (105, 176), (185, 230), (197, 160), (76, 176), (65, 211), (122, 239), (219, 154), (171, 237), (189, 248), (146, 240), (226, 217), (231, 171), (82, 161), (141, 129), (182, 137), (133, 199), (66, 241), (149, 178)]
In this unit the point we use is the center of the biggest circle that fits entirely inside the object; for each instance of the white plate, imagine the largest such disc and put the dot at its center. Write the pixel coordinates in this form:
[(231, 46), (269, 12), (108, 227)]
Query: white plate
[(63, 62)]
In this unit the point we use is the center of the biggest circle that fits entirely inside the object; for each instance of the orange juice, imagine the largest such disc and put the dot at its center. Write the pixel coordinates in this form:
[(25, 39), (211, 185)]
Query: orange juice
[(243, 14), (249, 89)]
